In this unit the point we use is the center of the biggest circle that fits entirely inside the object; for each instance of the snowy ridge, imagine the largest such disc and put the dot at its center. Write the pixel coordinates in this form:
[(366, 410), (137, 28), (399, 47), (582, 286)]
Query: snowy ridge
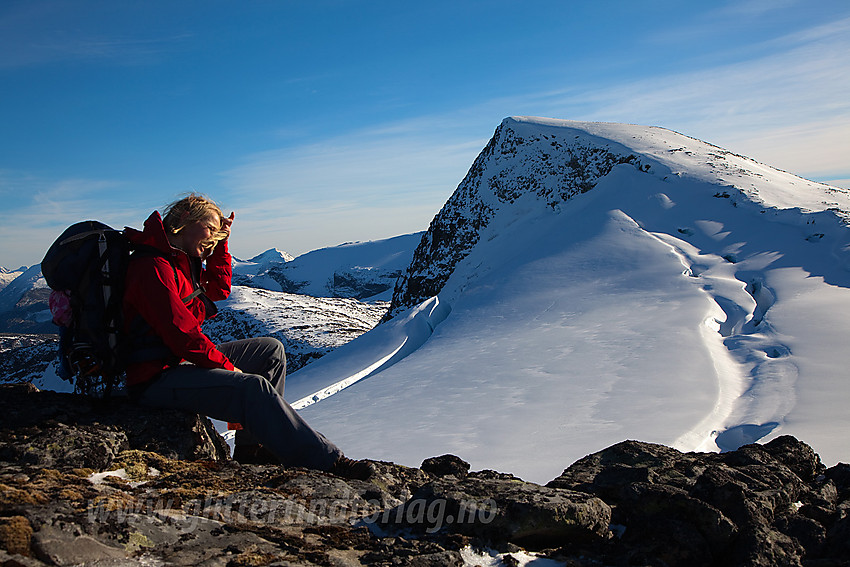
[(607, 282), (23, 304), (261, 262), (554, 171), (561, 159)]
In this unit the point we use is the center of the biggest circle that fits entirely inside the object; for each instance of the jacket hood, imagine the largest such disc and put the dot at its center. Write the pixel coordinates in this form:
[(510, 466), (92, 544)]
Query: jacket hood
[(152, 235)]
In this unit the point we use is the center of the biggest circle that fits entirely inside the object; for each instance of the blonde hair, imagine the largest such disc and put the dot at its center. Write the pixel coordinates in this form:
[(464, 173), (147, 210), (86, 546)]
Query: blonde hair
[(193, 208)]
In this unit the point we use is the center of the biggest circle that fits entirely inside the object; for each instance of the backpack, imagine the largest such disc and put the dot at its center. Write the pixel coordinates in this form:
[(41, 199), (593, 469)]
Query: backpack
[(86, 268)]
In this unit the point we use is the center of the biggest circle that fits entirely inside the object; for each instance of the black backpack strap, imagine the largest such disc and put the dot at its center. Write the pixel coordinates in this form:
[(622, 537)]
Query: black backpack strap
[(195, 267), (188, 299)]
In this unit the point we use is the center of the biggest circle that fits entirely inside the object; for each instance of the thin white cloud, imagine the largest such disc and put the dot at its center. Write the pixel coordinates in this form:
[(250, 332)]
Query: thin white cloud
[(397, 161), (718, 20), (825, 31)]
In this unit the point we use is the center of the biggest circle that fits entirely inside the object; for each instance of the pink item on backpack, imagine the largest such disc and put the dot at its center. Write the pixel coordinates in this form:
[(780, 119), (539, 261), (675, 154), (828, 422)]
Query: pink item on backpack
[(60, 307)]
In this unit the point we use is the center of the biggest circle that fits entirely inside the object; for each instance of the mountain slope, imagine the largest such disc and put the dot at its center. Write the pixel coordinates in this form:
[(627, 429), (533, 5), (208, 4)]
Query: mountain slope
[(309, 327), (23, 304), (7, 276), (601, 282)]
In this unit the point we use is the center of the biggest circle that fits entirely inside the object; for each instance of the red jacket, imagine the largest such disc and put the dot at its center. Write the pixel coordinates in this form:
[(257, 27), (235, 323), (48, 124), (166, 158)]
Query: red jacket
[(153, 291)]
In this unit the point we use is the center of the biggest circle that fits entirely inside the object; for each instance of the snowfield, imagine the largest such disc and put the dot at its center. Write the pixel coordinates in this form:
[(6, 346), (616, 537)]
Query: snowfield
[(697, 299)]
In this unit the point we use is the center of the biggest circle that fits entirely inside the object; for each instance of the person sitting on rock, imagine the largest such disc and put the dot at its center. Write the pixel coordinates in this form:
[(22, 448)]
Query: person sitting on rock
[(179, 267)]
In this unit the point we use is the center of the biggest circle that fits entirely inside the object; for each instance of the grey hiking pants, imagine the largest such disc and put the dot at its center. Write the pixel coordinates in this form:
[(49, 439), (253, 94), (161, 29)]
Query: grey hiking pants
[(253, 397)]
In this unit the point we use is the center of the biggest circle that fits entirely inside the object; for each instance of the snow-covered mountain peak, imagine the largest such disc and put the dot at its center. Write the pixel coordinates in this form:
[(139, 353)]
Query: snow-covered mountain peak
[(7, 276), (588, 283), (538, 164), (684, 155), (272, 255), (261, 262), (4, 270)]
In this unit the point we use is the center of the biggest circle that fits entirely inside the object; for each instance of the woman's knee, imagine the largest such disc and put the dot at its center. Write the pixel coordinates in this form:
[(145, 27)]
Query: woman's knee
[(277, 353), (273, 344)]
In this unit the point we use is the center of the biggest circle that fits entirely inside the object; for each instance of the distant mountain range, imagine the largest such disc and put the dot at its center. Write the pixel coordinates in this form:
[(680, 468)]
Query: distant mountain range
[(361, 270)]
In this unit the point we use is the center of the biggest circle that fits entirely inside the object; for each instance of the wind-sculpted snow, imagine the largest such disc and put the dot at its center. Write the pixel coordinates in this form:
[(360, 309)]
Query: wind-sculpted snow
[(609, 282), (555, 160), (385, 346)]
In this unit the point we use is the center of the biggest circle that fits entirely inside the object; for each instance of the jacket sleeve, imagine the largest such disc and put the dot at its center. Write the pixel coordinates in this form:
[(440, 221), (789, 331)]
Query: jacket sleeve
[(218, 273), (152, 290)]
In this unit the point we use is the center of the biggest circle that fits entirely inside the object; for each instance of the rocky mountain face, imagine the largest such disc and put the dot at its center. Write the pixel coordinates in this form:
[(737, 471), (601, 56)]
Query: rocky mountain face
[(550, 167), (108, 483)]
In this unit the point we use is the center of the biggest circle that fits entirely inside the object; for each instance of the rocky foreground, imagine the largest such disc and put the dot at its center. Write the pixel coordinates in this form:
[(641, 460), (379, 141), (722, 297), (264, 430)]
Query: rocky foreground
[(89, 483)]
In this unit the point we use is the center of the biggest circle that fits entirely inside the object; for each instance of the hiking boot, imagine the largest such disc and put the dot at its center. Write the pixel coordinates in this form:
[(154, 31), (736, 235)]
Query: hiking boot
[(254, 454), (353, 470)]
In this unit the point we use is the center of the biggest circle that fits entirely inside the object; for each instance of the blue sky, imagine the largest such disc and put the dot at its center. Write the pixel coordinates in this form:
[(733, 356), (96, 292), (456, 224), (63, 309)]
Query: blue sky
[(329, 121)]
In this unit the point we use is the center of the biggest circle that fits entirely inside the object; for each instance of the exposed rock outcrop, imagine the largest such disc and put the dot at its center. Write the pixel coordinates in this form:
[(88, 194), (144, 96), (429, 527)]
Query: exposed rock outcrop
[(772, 504), (85, 483), (51, 429)]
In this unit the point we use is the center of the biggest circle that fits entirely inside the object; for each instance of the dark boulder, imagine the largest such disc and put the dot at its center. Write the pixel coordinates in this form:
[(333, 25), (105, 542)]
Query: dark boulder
[(446, 465)]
